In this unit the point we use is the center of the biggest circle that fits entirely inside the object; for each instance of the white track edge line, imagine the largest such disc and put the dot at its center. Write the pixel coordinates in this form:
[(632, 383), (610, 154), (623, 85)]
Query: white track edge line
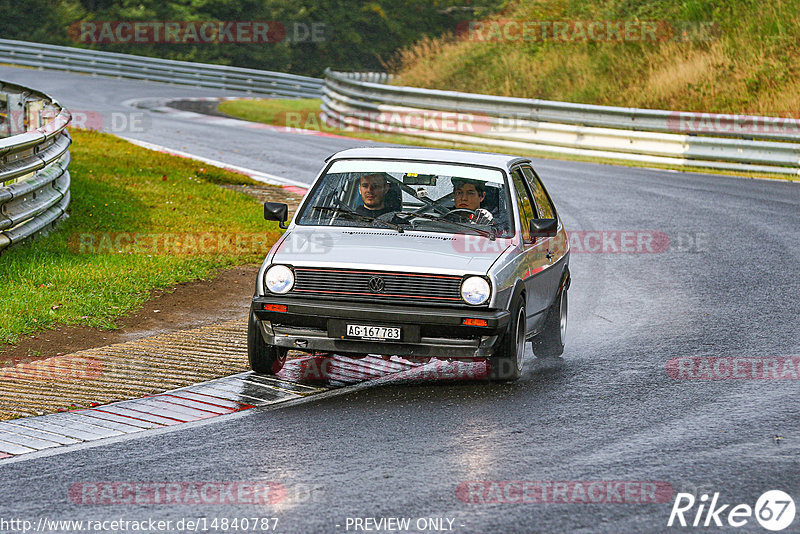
[(263, 177)]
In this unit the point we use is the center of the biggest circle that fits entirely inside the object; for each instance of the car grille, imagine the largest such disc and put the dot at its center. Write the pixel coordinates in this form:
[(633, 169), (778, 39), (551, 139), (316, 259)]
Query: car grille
[(378, 285)]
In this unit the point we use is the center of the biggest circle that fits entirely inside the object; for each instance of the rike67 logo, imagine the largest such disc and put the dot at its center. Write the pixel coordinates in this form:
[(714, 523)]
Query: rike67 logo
[(774, 511)]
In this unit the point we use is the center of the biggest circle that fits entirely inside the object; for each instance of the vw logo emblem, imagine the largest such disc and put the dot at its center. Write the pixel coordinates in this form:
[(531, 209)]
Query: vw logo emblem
[(376, 284)]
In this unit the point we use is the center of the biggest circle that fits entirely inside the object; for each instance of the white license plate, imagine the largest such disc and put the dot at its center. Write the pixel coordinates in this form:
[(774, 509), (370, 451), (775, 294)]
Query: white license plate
[(373, 332)]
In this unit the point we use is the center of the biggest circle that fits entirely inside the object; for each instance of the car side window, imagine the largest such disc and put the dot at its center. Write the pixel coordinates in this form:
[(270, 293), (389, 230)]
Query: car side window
[(545, 207), (526, 207)]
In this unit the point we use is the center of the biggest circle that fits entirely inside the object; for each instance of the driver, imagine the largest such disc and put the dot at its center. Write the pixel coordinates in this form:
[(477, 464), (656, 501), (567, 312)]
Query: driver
[(468, 195), (373, 188)]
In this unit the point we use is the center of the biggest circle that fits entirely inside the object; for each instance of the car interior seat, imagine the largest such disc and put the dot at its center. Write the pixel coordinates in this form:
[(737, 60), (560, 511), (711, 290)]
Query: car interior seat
[(394, 198), (491, 201)]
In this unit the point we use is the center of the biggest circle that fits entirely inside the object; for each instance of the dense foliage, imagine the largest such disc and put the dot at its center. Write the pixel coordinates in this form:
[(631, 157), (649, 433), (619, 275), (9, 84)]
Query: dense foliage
[(354, 35)]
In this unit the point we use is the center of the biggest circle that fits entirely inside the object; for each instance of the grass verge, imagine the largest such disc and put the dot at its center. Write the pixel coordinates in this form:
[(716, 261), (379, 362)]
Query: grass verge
[(138, 220), (737, 56), (304, 113)]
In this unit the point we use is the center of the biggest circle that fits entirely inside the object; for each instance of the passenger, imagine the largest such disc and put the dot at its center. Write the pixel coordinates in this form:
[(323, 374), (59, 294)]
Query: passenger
[(373, 188)]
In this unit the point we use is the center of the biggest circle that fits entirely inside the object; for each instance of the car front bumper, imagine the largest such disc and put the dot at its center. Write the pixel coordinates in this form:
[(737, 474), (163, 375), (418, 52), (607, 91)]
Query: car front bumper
[(316, 325)]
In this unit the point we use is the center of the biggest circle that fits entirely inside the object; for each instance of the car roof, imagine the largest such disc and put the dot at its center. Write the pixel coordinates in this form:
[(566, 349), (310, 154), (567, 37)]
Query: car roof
[(488, 159)]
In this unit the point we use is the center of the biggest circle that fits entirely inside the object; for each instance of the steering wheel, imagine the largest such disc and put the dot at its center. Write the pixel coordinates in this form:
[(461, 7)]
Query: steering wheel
[(459, 213)]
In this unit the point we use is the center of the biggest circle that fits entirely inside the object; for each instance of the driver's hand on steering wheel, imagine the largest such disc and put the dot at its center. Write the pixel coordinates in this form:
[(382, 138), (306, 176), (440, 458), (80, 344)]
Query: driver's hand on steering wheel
[(478, 216), (483, 216)]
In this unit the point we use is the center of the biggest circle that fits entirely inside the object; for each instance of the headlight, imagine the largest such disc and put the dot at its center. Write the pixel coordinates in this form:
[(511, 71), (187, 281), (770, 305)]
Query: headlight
[(475, 290), (279, 279)]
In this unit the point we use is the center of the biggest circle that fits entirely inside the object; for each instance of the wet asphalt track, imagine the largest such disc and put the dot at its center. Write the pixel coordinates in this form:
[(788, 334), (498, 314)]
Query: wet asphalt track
[(607, 412)]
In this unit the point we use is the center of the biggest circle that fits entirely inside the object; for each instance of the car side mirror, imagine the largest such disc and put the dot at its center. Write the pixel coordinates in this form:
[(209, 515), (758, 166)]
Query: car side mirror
[(544, 227), (276, 211)]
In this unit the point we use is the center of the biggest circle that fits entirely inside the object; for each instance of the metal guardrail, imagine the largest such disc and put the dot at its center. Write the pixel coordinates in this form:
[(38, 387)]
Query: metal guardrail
[(627, 134), (34, 156), (364, 101), (256, 82), (373, 77)]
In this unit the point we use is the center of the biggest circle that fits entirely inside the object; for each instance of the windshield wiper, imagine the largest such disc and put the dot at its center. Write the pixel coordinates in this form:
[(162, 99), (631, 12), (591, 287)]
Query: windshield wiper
[(359, 216), (491, 235)]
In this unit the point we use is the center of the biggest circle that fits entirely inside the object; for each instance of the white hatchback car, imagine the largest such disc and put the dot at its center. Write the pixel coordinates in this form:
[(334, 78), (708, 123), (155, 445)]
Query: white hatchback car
[(418, 253)]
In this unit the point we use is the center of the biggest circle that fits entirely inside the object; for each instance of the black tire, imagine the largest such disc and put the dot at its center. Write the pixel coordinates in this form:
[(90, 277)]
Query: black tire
[(264, 359), (506, 365), (549, 343)]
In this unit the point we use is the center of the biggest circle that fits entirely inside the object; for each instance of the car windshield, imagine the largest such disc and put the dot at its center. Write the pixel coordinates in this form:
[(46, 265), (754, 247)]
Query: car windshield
[(405, 195)]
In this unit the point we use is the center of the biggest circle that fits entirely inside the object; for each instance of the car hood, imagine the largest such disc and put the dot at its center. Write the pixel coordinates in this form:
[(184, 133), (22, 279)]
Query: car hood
[(378, 249)]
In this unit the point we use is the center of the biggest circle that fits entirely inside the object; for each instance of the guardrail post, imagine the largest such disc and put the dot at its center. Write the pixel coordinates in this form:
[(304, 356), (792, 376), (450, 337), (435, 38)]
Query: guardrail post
[(4, 120), (33, 114), (16, 114)]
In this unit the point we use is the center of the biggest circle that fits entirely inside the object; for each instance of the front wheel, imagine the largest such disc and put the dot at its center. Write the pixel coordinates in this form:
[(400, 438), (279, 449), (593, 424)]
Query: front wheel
[(264, 359), (550, 342), (507, 363)]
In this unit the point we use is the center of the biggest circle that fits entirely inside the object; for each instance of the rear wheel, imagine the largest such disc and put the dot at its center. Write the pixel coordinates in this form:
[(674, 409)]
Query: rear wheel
[(550, 342), (507, 362), (264, 359)]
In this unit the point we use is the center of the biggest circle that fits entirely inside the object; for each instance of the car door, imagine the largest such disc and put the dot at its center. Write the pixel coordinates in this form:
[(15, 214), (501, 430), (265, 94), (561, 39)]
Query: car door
[(537, 295), (554, 247)]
